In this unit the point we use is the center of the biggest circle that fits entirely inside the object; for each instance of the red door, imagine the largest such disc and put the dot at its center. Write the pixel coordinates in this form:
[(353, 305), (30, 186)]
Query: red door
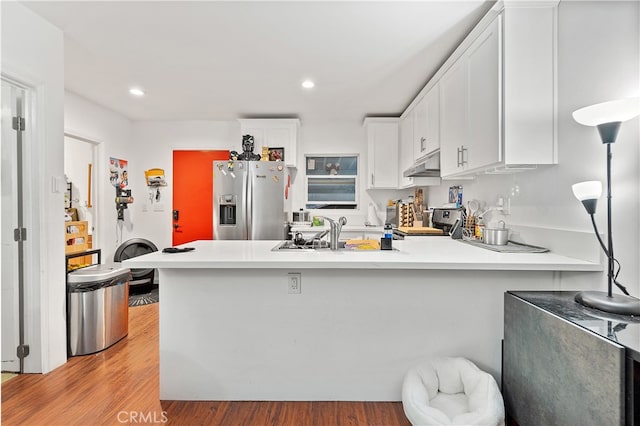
[(193, 194)]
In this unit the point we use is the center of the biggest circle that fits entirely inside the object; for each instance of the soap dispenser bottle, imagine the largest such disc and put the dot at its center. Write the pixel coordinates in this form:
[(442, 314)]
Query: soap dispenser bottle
[(387, 238)]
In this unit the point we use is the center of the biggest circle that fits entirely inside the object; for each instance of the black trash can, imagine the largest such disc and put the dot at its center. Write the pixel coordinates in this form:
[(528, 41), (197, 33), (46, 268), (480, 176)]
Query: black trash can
[(97, 307)]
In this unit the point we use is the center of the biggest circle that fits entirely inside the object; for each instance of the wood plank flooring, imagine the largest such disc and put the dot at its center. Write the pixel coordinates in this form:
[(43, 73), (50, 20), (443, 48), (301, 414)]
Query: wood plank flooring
[(120, 386)]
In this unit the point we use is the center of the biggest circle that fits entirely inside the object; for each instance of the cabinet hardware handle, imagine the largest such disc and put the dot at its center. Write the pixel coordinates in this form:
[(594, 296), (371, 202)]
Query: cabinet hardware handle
[(373, 179), (423, 145), (462, 151)]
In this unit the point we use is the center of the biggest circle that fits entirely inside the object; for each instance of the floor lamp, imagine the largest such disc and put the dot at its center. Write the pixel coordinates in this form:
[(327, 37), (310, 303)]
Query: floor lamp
[(607, 117)]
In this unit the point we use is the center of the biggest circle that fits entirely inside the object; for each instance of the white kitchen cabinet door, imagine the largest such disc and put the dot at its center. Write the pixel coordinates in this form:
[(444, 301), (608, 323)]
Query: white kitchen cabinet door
[(420, 129), (471, 107), (483, 66), (427, 124), (382, 150), (405, 151), (273, 133), (454, 119)]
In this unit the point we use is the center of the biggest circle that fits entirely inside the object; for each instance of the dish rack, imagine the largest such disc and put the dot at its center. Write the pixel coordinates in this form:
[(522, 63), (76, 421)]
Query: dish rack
[(510, 247)]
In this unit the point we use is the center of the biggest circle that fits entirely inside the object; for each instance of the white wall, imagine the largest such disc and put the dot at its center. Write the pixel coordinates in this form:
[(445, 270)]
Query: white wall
[(32, 53), (113, 133), (599, 57)]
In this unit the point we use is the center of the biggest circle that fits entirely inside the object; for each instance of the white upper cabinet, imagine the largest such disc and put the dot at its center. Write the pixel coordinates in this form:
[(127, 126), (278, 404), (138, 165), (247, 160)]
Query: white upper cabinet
[(426, 135), (498, 99), (273, 133), (405, 151), (382, 152)]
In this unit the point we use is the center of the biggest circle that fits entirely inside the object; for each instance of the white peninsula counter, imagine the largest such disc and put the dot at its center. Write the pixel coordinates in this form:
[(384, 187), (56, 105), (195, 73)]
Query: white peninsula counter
[(231, 330)]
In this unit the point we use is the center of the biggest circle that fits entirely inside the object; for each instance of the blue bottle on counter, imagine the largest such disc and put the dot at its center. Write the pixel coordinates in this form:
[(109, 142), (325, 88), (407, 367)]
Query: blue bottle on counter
[(387, 238), (388, 232)]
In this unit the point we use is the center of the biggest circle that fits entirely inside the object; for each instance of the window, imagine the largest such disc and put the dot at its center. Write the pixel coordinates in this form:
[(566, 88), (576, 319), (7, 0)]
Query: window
[(332, 182)]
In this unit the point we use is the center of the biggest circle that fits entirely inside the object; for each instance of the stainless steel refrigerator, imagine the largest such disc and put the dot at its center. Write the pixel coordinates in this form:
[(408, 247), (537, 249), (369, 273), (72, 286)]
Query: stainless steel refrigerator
[(248, 200)]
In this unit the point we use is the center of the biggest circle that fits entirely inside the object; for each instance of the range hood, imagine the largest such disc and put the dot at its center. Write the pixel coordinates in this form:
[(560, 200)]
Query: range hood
[(427, 167)]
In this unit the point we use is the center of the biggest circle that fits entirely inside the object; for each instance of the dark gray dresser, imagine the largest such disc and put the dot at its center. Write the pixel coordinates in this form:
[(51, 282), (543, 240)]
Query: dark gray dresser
[(566, 364)]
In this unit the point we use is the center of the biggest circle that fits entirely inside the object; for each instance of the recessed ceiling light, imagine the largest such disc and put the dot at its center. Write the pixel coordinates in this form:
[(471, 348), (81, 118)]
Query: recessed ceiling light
[(135, 91), (308, 84)]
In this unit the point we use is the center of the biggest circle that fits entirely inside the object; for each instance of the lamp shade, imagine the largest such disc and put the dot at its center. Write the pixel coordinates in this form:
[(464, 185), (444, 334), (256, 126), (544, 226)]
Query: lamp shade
[(589, 190), (608, 112)]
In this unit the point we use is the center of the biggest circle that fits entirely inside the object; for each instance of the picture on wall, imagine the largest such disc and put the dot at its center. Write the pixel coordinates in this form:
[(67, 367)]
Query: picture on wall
[(276, 154), (118, 175)]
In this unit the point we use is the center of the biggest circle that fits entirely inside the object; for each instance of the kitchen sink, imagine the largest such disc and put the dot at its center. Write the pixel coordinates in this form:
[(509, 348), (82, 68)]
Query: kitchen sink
[(319, 245), (315, 245)]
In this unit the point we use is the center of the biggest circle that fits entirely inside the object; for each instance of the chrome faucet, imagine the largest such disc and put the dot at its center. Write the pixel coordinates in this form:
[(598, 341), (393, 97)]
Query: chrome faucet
[(320, 235), (336, 227)]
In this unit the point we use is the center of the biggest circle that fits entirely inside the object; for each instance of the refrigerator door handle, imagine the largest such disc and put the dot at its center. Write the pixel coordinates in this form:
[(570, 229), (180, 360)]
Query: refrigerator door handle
[(248, 185)]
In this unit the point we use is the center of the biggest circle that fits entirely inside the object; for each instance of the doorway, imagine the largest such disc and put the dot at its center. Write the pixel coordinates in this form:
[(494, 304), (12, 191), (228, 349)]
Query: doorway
[(193, 194), (80, 156), (13, 232)]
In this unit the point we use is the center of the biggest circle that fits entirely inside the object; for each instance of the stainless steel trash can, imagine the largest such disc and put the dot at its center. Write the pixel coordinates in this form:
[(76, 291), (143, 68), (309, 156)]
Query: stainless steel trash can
[(97, 307)]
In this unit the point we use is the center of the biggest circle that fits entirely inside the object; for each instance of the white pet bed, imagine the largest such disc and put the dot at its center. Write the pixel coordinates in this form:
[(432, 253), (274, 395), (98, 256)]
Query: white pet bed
[(451, 391)]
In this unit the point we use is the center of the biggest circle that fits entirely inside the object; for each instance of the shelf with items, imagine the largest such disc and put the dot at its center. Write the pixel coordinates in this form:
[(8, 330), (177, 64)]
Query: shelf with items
[(77, 236), (82, 259)]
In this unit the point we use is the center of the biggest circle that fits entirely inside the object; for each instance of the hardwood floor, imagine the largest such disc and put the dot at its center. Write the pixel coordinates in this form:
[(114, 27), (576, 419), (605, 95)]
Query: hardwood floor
[(120, 386)]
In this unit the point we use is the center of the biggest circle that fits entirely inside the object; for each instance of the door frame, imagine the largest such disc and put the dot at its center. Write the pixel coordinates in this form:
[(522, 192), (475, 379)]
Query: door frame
[(95, 182), (16, 280), (44, 325), (34, 308)]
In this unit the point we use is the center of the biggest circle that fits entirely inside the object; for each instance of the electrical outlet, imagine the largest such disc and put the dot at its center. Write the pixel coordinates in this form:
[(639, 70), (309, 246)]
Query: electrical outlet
[(294, 282), (503, 205)]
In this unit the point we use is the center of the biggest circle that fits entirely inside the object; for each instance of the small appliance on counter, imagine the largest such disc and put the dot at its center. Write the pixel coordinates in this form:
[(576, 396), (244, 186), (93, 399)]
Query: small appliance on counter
[(401, 213), (392, 215), (302, 217), (448, 218)]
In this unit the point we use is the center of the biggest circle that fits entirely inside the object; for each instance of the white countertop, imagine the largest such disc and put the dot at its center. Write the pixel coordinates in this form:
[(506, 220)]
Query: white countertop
[(425, 253)]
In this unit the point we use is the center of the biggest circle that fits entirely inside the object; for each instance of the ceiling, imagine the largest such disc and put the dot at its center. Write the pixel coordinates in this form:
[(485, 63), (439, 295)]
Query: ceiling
[(222, 60)]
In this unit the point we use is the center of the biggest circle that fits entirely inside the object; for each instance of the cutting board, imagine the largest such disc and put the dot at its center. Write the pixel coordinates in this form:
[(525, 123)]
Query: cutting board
[(420, 230)]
